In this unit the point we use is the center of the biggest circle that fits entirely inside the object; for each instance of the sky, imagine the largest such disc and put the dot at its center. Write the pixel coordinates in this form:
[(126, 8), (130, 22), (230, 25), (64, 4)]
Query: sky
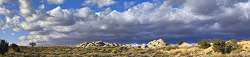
[(70, 22)]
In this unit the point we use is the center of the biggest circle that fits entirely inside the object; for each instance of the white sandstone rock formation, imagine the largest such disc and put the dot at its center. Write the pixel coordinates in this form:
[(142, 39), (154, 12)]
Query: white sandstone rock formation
[(156, 44)]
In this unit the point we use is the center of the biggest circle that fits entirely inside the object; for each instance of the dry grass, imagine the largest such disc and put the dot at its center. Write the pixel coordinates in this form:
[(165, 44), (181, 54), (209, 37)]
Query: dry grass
[(84, 52), (168, 51)]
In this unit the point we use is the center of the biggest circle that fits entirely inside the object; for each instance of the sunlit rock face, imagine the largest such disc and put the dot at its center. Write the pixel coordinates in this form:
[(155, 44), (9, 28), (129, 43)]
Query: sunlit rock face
[(185, 45), (156, 44)]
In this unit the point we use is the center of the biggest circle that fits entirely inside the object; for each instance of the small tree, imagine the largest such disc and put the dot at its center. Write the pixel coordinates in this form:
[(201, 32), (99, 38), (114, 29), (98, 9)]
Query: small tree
[(204, 44), (15, 47), (4, 47), (32, 44)]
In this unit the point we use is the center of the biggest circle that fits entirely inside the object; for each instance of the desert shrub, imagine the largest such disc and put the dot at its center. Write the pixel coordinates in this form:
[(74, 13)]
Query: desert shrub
[(225, 47), (204, 44), (4, 47), (219, 46), (15, 47), (231, 45)]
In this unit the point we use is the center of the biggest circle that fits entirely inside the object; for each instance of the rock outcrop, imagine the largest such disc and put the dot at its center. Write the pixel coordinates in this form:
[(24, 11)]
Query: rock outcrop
[(152, 44), (156, 44), (98, 44), (185, 45)]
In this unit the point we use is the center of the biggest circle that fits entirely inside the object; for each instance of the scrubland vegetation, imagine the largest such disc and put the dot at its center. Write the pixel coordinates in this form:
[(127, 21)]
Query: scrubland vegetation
[(205, 48)]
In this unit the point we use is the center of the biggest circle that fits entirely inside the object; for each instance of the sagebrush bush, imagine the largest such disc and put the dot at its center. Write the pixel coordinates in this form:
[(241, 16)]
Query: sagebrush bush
[(225, 47), (231, 45), (204, 44), (4, 47), (219, 46)]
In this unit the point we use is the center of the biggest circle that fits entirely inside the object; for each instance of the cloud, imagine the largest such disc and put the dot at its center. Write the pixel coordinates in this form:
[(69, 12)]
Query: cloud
[(25, 7), (9, 17), (5, 1), (56, 1), (140, 22), (100, 3), (5, 12), (10, 22)]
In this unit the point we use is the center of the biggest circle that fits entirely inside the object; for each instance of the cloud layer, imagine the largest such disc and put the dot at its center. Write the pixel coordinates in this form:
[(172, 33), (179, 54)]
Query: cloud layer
[(143, 21)]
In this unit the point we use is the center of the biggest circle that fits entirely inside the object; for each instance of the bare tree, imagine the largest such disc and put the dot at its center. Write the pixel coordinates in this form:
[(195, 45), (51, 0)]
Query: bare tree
[(32, 44)]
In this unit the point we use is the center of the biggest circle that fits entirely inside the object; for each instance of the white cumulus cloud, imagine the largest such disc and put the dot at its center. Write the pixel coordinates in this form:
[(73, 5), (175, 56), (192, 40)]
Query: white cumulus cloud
[(56, 1), (25, 7), (100, 3)]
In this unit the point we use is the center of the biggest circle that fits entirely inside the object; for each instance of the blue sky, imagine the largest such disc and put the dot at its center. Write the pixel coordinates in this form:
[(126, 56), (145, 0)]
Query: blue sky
[(69, 22)]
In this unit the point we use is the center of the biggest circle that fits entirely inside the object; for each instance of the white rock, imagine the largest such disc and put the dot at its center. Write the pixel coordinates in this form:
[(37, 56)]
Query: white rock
[(97, 44), (156, 44)]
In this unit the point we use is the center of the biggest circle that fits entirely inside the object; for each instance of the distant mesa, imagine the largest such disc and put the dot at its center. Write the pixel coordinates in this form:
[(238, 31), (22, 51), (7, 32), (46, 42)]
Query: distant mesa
[(152, 44), (98, 44)]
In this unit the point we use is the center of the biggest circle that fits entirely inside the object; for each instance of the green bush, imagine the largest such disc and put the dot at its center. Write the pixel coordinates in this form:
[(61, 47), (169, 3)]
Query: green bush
[(219, 46), (231, 45), (225, 47), (15, 47), (4, 47), (204, 44)]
